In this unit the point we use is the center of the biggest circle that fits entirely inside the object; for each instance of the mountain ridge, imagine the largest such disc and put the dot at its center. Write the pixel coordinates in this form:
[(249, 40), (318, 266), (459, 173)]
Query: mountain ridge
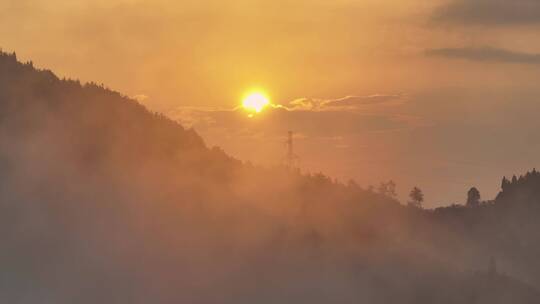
[(99, 194)]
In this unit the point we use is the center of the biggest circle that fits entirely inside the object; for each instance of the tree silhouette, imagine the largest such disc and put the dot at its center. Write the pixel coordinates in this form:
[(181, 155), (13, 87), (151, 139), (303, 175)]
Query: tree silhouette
[(388, 189), (514, 179), (473, 197), (417, 198), (505, 183)]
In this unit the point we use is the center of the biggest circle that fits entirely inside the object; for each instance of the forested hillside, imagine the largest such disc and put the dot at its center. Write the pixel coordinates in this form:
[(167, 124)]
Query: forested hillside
[(102, 201)]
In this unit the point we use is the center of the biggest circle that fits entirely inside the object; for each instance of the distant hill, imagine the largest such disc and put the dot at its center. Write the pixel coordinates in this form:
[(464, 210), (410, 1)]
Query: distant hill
[(103, 201)]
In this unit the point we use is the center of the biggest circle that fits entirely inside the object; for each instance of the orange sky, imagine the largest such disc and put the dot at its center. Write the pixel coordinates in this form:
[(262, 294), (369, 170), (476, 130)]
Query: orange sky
[(428, 93)]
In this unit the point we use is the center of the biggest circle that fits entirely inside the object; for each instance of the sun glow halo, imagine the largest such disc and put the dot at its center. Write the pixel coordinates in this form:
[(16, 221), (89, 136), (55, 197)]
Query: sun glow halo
[(255, 102)]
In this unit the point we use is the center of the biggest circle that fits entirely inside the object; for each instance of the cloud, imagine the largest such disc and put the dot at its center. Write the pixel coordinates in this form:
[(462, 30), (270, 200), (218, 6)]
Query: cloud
[(141, 98), (486, 54), (277, 121), (489, 12), (315, 117), (344, 103), (195, 116)]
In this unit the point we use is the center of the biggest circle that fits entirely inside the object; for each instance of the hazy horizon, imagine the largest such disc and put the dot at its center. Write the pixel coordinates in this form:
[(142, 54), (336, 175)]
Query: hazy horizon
[(425, 91)]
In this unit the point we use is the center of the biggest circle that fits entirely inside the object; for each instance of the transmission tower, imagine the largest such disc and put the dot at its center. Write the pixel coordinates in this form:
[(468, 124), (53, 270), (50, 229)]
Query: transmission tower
[(291, 159)]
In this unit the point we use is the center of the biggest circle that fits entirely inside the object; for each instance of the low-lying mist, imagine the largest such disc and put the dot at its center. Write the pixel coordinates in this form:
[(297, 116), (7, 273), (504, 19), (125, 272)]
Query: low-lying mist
[(102, 201)]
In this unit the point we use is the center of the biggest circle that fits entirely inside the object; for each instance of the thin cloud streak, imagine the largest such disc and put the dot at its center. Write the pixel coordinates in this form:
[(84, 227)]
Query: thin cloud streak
[(189, 115), (485, 54), (489, 12), (351, 102), (346, 116)]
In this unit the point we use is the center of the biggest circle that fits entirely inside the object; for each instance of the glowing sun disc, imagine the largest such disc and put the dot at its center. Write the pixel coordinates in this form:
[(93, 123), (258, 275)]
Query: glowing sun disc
[(255, 102)]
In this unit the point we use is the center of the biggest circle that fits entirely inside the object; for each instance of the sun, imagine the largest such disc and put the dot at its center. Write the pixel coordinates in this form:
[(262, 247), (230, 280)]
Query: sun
[(255, 102)]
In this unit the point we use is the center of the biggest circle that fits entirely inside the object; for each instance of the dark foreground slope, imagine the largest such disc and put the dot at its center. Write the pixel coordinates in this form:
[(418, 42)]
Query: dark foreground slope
[(102, 201)]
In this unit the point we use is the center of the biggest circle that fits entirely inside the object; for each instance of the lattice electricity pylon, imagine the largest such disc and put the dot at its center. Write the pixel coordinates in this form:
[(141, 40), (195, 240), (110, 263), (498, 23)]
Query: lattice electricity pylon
[(291, 159)]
